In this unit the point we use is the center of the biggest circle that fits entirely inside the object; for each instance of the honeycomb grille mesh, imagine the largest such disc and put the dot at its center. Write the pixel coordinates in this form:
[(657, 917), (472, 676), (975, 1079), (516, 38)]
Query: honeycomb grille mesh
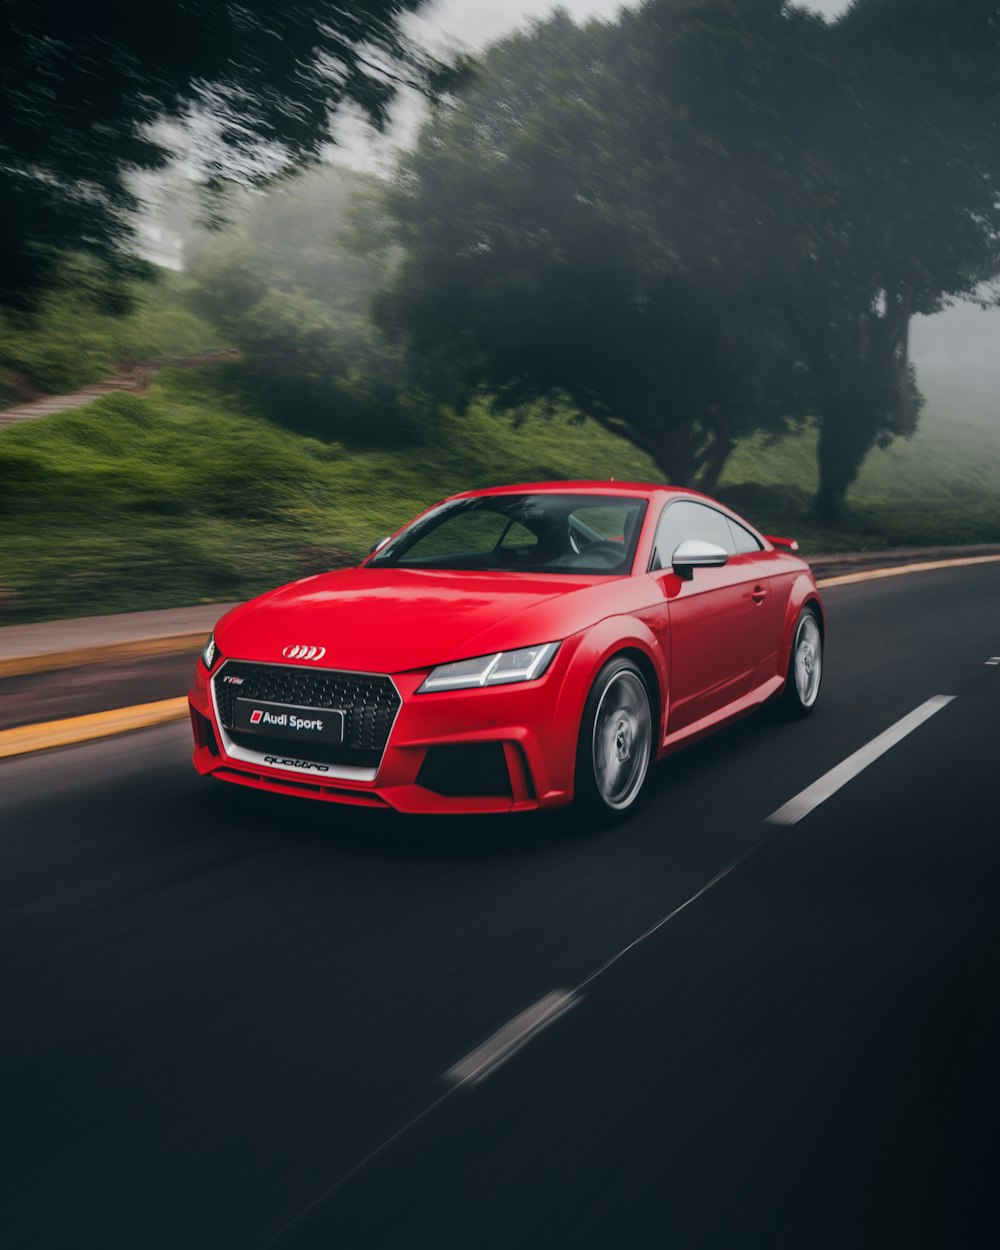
[(369, 703)]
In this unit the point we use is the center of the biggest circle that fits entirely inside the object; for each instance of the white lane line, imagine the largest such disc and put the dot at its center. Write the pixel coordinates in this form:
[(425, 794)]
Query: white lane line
[(543, 1013), (302, 1215), (485, 1059), (507, 1041), (654, 928), (994, 660), (831, 782)]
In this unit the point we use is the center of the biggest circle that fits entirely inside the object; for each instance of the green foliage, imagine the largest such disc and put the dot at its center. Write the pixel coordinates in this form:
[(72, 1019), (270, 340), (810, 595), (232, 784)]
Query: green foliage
[(567, 225), (711, 217), (286, 287), (82, 87), (187, 495), (940, 487), (68, 341)]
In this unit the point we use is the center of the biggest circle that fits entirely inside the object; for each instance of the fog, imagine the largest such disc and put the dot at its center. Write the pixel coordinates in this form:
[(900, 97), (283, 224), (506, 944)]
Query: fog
[(961, 336)]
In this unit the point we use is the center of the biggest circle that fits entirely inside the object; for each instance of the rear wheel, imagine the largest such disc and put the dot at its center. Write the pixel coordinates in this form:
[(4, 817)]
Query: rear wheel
[(805, 666), (616, 744)]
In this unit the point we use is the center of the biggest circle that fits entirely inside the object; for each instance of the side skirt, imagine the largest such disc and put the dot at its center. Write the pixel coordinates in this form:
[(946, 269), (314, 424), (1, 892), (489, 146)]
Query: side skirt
[(708, 724)]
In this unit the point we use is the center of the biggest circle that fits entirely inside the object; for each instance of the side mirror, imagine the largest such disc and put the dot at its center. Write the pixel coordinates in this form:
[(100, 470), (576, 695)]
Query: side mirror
[(694, 554), (379, 545)]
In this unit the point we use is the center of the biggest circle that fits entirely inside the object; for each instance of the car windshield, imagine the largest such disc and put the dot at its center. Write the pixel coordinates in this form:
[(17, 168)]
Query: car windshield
[(550, 533)]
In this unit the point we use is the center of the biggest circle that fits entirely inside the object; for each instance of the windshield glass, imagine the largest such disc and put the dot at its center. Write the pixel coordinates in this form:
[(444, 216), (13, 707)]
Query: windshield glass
[(590, 534)]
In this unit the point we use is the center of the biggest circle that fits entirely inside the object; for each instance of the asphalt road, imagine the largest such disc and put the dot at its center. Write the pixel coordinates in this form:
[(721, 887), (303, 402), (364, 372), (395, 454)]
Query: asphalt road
[(227, 1018)]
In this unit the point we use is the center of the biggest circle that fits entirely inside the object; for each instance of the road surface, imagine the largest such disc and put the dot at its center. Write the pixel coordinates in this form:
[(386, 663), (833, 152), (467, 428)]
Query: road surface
[(236, 1020)]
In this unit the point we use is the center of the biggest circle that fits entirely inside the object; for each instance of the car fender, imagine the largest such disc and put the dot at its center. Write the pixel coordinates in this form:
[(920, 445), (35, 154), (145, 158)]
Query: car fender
[(598, 644), (803, 591)]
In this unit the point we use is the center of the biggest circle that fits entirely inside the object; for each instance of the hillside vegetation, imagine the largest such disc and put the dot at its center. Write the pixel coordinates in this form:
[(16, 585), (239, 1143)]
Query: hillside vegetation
[(189, 495), (186, 495), (69, 342)]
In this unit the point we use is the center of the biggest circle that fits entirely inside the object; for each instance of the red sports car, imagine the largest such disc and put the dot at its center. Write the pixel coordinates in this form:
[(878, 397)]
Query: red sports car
[(514, 648)]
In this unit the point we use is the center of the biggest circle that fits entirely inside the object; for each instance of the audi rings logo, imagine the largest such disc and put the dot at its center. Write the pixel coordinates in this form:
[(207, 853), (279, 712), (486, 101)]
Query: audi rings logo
[(304, 653)]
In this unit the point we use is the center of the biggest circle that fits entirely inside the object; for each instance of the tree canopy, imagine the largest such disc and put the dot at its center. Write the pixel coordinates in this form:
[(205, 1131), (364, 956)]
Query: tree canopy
[(709, 217), (83, 85), (905, 212), (565, 228)]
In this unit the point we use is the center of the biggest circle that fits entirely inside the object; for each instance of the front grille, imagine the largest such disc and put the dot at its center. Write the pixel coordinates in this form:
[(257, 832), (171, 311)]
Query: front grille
[(467, 770), (369, 702)]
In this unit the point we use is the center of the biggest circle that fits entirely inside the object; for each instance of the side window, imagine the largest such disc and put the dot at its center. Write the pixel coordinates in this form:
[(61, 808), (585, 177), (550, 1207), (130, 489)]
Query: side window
[(743, 540), (686, 520)]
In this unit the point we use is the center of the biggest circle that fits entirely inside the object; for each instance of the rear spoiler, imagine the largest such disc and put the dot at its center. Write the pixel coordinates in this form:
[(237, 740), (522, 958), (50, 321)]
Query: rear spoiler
[(789, 544)]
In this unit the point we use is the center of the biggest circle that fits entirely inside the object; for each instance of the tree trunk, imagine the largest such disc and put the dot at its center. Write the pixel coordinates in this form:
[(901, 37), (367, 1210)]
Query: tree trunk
[(867, 400), (846, 435), (678, 464), (714, 463)]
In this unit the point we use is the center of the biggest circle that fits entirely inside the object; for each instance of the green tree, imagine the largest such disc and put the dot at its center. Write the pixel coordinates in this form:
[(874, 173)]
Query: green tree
[(284, 285), (904, 211), (569, 225), (82, 85), (711, 217)]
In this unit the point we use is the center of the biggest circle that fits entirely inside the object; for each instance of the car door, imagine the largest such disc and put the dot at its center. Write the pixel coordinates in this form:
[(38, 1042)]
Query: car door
[(717, 620), (769, 616)]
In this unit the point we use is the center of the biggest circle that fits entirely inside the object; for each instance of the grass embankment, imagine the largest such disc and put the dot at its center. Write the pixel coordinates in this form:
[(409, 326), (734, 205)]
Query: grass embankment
[(67, 344), (181, 497), (186, 495)]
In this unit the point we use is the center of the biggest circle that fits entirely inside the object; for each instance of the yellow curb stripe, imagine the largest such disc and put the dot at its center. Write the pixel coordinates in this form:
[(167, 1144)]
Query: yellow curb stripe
[(52, 661), (901, 570), (62, 733)]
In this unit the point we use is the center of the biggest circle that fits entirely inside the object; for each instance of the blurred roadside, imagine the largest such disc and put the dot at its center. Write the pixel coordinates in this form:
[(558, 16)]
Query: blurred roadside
[(97, 640)]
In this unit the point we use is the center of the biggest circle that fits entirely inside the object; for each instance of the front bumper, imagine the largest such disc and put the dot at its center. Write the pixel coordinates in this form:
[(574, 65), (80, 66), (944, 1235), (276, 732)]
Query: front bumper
[(529, 729)]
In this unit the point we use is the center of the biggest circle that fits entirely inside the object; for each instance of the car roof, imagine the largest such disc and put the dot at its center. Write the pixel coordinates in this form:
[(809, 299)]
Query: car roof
[(605, 486)]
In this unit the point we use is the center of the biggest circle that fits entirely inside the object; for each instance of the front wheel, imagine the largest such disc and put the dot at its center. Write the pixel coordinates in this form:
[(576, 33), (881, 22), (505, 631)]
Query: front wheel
[(616, 744), (805, 667)]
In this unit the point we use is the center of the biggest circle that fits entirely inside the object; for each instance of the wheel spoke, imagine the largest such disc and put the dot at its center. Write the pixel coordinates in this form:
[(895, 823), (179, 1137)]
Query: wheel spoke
[(622, 739), (808, 660)]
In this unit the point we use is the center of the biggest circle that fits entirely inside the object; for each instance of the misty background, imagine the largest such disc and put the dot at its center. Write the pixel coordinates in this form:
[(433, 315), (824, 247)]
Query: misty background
[(719, 244)]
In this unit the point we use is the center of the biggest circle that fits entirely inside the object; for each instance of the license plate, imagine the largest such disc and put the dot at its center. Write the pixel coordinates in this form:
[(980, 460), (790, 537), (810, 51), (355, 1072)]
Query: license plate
[(282, 720)]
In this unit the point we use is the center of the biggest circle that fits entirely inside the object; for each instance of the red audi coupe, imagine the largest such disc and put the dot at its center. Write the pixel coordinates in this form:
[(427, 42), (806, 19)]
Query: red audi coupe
[(514, 648)]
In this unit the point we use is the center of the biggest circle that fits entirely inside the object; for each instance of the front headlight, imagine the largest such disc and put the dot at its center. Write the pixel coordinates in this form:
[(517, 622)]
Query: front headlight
[(210, 652), (499, 669)]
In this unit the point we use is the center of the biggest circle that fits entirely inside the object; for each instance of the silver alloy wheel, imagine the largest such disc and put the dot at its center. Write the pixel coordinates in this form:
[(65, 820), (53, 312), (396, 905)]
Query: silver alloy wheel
[(808, 660), (622, 739)]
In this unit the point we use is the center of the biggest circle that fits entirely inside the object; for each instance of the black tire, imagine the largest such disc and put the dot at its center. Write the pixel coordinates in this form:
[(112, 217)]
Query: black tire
[(616, 745), (805, 666)]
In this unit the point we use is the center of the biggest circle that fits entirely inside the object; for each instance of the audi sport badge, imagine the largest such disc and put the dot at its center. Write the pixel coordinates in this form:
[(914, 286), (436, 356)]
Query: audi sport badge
[(286, 722)]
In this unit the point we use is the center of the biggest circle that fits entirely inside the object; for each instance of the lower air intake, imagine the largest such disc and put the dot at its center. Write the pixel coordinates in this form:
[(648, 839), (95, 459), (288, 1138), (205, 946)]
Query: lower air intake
[(473, 770)]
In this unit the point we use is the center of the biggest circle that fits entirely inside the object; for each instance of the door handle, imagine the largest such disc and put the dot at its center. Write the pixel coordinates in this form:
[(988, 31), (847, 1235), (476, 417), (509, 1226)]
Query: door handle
[(758, 594)]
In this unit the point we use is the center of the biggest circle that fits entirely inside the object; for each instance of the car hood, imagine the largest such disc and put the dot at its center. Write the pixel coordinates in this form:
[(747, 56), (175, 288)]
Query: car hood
[(391, 620)]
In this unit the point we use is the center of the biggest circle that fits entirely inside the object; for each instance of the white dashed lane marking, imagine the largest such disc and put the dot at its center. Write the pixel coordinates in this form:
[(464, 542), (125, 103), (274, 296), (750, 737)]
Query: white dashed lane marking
[(509, 1040), (831, 782)]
